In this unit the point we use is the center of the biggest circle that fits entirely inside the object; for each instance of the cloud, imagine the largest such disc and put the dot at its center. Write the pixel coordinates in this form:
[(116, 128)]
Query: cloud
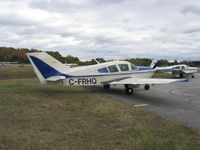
[(191, 9), (113, 29)]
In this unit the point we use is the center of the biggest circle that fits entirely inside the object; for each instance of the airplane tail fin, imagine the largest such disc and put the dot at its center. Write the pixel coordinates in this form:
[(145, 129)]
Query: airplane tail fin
[(46, 67), (154, 63)]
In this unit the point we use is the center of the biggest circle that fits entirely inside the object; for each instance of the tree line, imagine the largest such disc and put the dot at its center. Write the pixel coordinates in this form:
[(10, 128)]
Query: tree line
[(10, 54)]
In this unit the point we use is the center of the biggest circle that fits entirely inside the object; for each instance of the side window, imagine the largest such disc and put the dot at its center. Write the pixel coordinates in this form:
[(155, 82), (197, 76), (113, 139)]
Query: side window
[(178, 67), (103, 70), (113, 68), (182, 67), (123, 67), (133, 67)]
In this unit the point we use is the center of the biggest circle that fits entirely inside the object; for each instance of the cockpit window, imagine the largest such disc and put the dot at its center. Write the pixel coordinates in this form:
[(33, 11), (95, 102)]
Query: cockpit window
[(123, 67), (113, 68), (182, 67), (133, 67)]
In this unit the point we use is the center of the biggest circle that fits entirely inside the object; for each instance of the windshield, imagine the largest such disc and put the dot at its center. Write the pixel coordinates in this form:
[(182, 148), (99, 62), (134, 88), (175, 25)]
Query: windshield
[(133, 67)]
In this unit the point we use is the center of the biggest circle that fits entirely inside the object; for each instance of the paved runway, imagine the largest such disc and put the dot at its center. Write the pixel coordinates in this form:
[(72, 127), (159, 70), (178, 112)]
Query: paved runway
[(178, 101)]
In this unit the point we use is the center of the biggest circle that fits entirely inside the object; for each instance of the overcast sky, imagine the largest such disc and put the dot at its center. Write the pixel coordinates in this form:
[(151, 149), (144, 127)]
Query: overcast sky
[(112, 29)]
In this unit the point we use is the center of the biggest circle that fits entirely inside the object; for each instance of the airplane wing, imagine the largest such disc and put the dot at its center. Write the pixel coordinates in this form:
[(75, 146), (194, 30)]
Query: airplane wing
[(137, 81), (189, 71)]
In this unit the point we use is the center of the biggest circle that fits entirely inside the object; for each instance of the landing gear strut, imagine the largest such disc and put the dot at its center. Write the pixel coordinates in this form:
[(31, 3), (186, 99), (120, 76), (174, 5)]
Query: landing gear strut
[(106, 86), (147, 87), (129, 91), (126, 85)]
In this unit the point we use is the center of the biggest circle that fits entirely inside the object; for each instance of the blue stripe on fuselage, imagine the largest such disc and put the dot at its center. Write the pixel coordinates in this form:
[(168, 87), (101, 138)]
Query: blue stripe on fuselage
[(144, 68), (99, 75)]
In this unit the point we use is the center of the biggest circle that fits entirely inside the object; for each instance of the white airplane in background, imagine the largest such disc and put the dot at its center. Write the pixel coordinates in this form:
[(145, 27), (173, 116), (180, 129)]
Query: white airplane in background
[(179, 70), (7, 63), (50, 70)]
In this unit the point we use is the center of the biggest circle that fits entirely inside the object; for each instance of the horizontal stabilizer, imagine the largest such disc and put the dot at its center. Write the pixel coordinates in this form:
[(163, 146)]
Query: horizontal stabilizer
[(55, 78)]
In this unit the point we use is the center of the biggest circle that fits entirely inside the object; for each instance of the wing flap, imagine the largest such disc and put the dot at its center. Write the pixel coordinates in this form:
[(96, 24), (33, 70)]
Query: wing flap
[(147, 81)]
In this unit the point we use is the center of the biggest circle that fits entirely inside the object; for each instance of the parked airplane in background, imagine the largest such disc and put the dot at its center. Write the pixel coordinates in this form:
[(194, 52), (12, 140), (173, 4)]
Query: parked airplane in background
[(179, 70), (7, 63), (50, 70)]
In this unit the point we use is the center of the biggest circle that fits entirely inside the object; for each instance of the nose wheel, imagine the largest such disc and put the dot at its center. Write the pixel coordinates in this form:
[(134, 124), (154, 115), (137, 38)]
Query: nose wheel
[(129, 91), (147, 87)]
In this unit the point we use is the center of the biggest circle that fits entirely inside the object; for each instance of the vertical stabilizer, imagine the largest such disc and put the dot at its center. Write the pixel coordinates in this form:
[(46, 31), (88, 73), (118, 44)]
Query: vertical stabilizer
[(45, 66), (154, 64)]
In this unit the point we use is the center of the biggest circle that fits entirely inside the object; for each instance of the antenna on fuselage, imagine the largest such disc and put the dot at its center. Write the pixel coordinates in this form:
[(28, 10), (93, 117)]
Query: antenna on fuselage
[(96, 61)]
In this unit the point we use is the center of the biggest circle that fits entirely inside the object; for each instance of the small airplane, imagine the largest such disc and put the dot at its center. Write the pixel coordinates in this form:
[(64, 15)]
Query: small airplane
[(4, 63), (179, 70), (49, 70)]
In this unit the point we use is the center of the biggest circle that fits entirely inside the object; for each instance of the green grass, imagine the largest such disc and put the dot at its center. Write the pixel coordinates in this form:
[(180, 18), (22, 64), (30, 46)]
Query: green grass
[(16, 73), (40, 117)]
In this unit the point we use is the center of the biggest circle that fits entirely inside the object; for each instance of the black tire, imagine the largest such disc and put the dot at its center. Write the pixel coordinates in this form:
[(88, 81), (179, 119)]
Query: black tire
[(192, 76), (181, 75), (147, 87), (129, 91), (106, 86)]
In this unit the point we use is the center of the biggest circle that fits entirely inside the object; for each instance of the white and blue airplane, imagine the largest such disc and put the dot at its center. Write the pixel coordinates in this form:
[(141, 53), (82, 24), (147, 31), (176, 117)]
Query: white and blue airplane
[(179, 70), (49, 70), (4, 63)]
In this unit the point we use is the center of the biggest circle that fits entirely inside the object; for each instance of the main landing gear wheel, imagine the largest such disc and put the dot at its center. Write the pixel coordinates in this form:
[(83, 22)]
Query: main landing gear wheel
[(181, 75), (106, 86), (147, 87), (129, 91), (192, 76)]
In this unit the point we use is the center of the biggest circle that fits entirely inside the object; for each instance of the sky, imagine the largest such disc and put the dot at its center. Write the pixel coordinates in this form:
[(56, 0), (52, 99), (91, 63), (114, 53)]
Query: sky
[(110, 29)]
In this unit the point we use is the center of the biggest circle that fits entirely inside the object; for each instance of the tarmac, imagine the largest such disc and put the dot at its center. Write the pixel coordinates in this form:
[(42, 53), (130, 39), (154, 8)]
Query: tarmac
[(177, 101)]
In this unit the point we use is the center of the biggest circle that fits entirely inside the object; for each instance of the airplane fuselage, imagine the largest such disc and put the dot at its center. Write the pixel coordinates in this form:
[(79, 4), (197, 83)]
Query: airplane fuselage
[(100, 79), (102, 73)]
